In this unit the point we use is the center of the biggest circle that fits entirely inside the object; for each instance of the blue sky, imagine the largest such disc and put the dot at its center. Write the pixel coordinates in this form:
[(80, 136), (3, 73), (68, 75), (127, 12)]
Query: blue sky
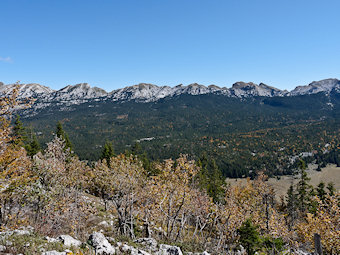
[(112, 44)]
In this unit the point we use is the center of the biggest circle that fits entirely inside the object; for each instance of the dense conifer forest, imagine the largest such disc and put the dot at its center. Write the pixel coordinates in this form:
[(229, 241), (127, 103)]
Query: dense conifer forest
[(241, 135)]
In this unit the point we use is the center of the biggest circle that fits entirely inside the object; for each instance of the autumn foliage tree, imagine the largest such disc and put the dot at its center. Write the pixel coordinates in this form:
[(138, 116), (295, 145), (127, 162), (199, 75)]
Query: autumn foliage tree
[(325, 222), (178, 207), (120, 183), (15, 166)]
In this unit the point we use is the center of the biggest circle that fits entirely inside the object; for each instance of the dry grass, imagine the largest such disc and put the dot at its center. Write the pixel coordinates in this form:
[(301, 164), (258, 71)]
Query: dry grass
[(331, 173)]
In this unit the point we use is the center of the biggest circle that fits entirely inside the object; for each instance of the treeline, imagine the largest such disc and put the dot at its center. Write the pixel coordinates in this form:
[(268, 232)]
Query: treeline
[(180, 201)]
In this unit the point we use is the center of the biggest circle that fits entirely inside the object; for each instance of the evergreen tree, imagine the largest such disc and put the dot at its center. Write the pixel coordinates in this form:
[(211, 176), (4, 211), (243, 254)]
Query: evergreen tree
[(19, 131), (137, 150), (107, 153), (210, 178), (303, 188), (63, 135), (291, 206), (331, 189), (249, 237), (320, 190), (33, 147)]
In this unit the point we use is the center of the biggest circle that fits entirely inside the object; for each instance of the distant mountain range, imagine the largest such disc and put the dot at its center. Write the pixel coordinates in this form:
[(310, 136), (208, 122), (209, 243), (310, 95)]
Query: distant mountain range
[(143, 92)]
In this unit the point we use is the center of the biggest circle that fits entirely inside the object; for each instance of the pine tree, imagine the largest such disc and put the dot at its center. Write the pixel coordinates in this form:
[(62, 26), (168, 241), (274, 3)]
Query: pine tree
[(19, 131), (63, 135), (303, 188), (137, 150), (331, 189), (291, 206), (107, 153), (33, 147), (210, 178), (249, 237), (320, 190)]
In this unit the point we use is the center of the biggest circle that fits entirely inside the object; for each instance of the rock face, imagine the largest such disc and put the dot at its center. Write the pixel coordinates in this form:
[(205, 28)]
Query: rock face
[(149, 243), (165, 249), (101, 244), (317, 86), (69, 241)]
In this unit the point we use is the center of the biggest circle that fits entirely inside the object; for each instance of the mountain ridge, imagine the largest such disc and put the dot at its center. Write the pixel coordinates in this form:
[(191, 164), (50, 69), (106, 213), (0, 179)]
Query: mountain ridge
[(146, 92)]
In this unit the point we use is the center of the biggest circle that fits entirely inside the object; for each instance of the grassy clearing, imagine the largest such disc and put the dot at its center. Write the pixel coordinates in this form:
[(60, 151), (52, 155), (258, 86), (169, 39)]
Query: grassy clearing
[(331, 173)]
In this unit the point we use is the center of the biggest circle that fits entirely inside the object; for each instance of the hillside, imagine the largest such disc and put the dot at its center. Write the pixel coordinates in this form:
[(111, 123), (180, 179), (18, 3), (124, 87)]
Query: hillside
[(233, 131)]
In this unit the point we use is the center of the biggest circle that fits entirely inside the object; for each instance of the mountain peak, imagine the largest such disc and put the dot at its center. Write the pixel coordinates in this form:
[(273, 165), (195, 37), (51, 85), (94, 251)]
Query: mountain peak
[(326, 85), (242, 89), (242, 85)]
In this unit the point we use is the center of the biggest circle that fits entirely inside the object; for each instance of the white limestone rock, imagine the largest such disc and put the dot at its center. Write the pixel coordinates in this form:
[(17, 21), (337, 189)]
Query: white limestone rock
[(69, 241), (101, 244), (165, 249), (149, 243)]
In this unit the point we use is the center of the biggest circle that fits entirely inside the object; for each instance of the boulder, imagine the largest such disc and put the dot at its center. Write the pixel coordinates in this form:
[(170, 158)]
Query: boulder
[(165, 249), (51, 239), (69, 241), (149, 243), (101, 244), (129, 249)]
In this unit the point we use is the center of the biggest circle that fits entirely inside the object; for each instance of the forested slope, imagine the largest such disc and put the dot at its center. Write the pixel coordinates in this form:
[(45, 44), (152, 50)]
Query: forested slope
[(240, 134)]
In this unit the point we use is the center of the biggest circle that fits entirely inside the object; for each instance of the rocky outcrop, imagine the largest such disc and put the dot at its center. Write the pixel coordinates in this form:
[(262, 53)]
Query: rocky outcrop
[(100, 244), (149, 244), (165, 249), (326, 85)]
